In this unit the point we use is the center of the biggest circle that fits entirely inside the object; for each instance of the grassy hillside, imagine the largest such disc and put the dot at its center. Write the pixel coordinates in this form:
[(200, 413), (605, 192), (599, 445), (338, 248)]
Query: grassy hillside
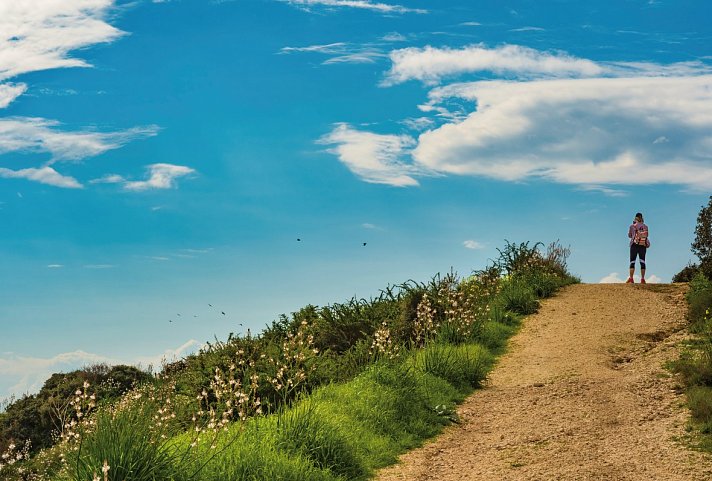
[(327, 393)]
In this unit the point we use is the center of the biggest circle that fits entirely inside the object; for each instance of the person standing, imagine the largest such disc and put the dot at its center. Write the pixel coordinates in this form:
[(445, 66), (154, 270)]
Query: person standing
[(639, 243)]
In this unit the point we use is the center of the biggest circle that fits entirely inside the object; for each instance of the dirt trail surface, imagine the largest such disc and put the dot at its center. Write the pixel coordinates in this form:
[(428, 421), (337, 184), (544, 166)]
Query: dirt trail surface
[(581, 395)]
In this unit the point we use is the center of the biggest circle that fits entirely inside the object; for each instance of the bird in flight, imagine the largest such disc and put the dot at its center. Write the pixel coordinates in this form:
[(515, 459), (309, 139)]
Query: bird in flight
[(223, 312), (298, 239), (364, 244)]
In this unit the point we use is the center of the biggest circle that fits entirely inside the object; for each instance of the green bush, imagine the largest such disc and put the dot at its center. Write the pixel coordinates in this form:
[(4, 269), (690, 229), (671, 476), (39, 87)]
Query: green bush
[(306, 430), (699, 399), (126, 441), (464, 366), (518, 296)]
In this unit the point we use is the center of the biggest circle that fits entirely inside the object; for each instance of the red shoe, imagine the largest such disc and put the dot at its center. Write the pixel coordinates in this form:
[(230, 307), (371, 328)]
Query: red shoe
[(642, 281), (630, 281)]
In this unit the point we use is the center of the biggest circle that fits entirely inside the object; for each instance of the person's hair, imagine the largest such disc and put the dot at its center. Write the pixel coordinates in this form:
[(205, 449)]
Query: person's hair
[(639, 216)]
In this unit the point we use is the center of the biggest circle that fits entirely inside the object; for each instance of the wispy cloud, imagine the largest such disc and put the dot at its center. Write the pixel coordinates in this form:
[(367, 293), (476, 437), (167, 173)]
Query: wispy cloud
[(341, 52), (36, 135), (26, 375), (373, 157), (9, 92), (358, 4), (159, 176), (430, 65), (40, 35), (44, 175), (54, 266), (473, 244)]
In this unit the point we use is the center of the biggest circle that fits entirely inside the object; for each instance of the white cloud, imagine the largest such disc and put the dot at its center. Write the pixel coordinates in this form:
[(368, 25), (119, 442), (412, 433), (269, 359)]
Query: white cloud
[(578, 131), (394, 37), (429, 64), (373, 157), (473, 244), (22, 375), (44, 175), (36, 135), (615, 278), (39, 35), (341, 52), (26, 375), (108, 179), (612, 278), (160, 176), (337, 47), (366, 225), (558, 118), (528, 29), (418, 123), (604, 190), (170, 355), (359, 4), (9, 92), (54, 266)]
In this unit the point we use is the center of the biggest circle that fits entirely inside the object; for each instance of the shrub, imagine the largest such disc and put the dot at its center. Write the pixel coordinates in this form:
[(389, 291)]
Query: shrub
[(307, 431), (687, 273), (517, 296), (702, 245), (463, 366), (699, 399)]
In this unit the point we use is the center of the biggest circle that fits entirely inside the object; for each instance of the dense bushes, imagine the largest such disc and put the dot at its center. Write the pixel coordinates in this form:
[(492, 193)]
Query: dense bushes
[(328, 392), (35, 418), (695, 363)]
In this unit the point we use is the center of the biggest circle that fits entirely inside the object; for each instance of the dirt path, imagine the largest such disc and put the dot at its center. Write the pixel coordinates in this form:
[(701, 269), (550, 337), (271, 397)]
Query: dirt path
[(581, 395)]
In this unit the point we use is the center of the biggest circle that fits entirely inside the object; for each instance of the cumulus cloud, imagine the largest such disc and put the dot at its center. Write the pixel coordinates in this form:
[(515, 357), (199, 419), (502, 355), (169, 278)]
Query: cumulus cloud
[(373, 157), (44, 175), (615, 278), (160, 176), (473, 244), (359, 4), (553, 117), (578, 131)]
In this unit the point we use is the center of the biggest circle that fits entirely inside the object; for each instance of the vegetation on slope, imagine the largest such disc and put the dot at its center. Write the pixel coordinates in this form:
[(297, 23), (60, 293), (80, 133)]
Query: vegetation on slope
[(327, 393)]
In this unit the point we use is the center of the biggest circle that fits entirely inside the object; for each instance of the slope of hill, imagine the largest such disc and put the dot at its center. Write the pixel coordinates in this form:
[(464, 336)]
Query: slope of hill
[(582, 394)]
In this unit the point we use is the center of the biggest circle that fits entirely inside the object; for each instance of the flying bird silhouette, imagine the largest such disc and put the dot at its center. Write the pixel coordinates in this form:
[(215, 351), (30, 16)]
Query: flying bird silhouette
[(364, 244), (299, 240), (223, 312)]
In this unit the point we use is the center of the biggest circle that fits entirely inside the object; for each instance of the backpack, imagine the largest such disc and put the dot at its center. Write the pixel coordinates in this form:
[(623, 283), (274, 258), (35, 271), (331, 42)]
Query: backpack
[(641, 235)]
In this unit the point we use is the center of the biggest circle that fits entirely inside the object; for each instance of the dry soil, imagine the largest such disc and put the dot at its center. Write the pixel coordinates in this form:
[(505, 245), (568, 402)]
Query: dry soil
[(582, 394)]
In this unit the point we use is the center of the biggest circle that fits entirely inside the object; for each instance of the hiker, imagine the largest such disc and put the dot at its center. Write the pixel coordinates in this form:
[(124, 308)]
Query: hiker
[(639, 243)]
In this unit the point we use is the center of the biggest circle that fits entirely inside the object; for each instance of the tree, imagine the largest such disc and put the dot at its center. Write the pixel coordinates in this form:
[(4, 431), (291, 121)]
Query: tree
[(702, 246)]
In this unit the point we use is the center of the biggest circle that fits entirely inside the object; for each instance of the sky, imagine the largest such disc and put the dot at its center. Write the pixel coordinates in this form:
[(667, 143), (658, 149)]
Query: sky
[(173, 171)]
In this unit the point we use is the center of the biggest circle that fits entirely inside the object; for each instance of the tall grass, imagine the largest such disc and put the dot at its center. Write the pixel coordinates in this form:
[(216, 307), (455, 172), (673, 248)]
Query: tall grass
[(695, 363)]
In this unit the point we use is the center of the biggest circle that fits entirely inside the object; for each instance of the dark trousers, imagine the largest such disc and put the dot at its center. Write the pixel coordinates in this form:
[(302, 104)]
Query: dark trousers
[(637, 251)]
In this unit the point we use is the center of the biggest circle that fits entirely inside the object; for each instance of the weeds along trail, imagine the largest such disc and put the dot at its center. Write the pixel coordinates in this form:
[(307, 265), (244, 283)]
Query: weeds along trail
[(582, 394)]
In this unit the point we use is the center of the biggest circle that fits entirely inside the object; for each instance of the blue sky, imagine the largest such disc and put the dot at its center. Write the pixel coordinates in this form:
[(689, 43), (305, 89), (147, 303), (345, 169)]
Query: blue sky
[(158, 157)]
